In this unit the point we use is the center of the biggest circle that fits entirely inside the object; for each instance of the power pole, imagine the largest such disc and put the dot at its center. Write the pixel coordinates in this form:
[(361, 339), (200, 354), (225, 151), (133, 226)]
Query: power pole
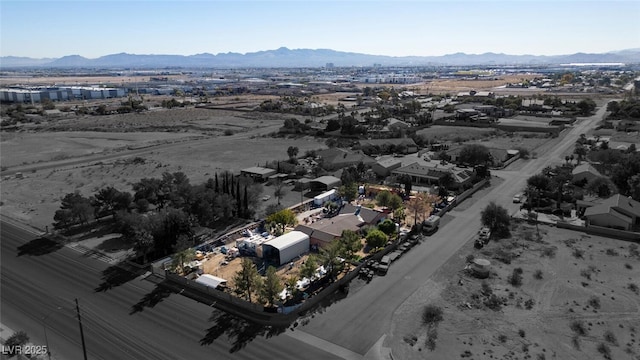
[(84, 347)]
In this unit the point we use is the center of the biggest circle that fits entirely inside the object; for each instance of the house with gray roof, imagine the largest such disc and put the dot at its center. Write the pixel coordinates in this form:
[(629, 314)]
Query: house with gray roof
[(618, 212)]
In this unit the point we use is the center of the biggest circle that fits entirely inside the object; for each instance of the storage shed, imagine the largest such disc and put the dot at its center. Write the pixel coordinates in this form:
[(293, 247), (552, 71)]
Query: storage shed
[(211, 281), (285, 248)]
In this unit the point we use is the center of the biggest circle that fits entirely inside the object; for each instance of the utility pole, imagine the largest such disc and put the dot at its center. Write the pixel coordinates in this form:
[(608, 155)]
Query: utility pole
[(84, 347)]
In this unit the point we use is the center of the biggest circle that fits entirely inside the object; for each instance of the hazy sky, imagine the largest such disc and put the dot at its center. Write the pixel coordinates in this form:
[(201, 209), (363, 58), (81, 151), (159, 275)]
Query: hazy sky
[(92, 28)]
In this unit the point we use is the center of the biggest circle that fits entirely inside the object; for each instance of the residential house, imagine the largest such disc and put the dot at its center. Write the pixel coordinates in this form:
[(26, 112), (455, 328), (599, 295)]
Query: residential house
[(584, 173), (324, 230), (336, 158), (258, 173), (435, 173), (384, 167), (618, 212)]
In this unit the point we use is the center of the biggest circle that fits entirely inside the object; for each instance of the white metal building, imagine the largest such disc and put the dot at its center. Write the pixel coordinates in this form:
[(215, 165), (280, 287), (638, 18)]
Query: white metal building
[(285, 248)]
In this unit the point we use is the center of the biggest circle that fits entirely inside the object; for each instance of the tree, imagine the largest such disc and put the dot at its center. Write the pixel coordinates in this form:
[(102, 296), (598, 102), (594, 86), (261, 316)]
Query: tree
[(279, 190), (602, 187), (388, 227), (292, 151), (348, 192), (309, 267), (143, 244), (183, 256), (247, 280), (283, 218), (496, 218), (376, 239), (74, 209), (539, 182), (15, 341), (395, 202), (332, 258), (474, 154), (271, 287), (581, 151), (420, 205), (351, 244), (407, 182), (383, 198)]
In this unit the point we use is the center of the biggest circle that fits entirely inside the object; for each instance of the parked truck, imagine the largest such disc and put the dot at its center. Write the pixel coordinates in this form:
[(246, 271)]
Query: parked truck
[(430, 224)]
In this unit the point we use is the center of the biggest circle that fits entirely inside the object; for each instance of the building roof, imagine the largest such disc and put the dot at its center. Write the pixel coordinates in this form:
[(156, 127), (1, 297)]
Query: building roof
[(415, 169), (623, 203), (329, 181), (336, 156), (389, 163), (257, 170), (327, 229), (210, 280), (369, 216), (585, 167), (606, 210), (288, 239)]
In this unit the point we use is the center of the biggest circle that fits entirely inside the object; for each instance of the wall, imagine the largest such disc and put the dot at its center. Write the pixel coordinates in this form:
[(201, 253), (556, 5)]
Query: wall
[(603, 231)]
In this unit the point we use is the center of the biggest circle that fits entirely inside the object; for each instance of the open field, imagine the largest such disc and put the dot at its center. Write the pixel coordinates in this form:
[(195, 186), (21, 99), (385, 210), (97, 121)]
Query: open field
[(35, 198), (578, 299)]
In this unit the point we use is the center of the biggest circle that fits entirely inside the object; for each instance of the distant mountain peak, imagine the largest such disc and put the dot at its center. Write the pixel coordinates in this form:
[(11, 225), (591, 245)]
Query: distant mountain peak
[(285, 57)]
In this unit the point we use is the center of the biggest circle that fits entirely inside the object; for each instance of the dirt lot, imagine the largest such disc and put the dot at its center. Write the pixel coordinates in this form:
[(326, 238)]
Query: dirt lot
[(578, 299)]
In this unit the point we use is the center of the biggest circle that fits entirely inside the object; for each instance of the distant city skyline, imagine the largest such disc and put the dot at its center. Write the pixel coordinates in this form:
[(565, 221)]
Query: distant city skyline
[(94, 28)]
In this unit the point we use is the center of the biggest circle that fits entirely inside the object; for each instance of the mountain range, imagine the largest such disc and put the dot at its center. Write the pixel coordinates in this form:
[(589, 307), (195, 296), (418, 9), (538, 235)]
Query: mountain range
[(284, 57)]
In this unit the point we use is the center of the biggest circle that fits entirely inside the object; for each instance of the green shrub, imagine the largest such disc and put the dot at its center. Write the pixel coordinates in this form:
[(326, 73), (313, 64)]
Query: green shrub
[(432, 315), (578, 327)]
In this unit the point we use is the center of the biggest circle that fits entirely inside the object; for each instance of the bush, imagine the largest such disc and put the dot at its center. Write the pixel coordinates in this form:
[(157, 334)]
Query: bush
[(604, 350), (549, 252), (515, 278), (502, 338), (431, 315), (521, 333), (494, 302), (610, 337), (578, 327), (529, 304), (633, 287), (594, 302), (538, 274), (578, 254), (432, 336), (611, 252)]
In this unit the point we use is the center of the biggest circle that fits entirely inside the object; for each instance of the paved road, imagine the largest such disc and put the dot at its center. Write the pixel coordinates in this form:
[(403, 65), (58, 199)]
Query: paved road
[(361, 319), (38, 290)]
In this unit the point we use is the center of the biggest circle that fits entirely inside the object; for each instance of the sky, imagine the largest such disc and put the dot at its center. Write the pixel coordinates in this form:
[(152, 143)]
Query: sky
[(94, 28)]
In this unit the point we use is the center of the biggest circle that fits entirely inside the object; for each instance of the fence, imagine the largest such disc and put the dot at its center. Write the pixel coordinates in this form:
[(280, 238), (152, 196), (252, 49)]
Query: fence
[(603, 231), (465, 194)]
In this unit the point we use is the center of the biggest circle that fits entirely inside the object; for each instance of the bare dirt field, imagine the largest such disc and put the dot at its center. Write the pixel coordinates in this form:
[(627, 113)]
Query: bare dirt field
[(577, 298)]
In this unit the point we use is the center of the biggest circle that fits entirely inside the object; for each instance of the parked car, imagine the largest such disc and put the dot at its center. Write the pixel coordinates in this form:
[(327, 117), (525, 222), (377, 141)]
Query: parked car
[(484, 235), (517, 198), (266, 197), (383, 267)]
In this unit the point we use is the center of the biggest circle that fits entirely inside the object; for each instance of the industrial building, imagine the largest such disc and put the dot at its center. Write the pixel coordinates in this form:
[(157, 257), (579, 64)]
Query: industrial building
[(62, 93)]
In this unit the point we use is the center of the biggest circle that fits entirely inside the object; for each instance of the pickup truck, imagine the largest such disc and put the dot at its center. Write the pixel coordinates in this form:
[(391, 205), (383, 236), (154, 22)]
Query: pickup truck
[(384, 265)]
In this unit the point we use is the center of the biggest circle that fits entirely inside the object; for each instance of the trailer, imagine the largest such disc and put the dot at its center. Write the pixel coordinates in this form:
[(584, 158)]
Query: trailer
[(430, 225), (330, 195)]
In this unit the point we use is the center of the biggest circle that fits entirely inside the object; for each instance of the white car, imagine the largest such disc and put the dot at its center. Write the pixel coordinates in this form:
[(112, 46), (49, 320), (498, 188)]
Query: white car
[(517, 198), (266, 197)]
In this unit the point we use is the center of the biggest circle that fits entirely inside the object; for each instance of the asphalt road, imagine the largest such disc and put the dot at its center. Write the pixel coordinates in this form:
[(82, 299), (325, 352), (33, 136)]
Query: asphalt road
[(361, 319), (40, 281)]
